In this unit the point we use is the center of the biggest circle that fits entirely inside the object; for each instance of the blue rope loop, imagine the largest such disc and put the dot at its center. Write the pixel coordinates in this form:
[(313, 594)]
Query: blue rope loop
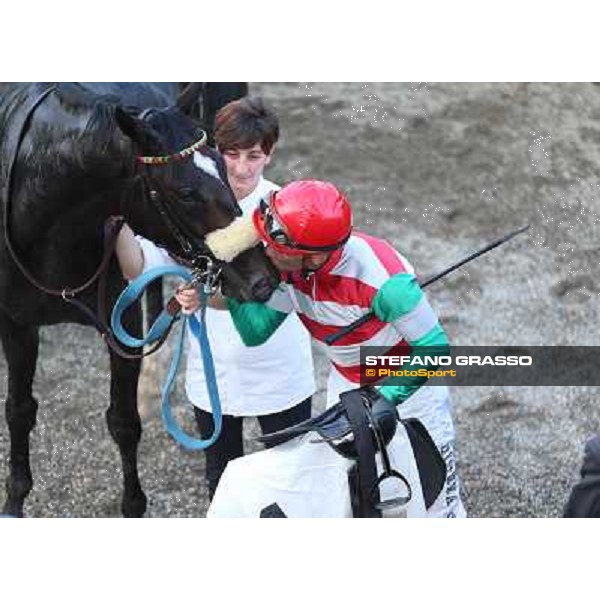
[(198, 328)]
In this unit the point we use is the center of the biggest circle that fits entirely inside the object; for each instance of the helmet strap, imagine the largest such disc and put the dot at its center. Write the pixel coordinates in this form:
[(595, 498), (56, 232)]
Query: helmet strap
[(306, 272)]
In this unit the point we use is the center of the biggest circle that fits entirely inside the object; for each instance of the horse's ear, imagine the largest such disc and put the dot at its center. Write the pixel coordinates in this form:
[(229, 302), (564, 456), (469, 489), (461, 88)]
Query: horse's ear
[(188, 100), (137, 130)]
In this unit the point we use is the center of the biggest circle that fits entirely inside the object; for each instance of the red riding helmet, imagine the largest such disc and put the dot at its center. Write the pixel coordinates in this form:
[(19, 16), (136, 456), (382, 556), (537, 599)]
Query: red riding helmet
[(304, 216)]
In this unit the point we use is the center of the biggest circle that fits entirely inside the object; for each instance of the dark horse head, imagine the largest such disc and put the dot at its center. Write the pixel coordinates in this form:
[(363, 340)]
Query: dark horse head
[(184, 199), (78, 157)]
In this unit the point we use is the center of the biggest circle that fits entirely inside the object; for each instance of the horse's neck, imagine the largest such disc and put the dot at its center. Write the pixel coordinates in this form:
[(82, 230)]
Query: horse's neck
[(62, 177), (57, 206)]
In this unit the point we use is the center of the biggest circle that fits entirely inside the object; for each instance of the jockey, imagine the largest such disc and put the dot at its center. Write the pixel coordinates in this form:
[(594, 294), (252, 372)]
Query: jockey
[(331, 276)]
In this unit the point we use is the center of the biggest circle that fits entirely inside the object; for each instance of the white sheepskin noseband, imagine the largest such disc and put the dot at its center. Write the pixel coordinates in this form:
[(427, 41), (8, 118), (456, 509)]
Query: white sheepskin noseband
[(232, 240)]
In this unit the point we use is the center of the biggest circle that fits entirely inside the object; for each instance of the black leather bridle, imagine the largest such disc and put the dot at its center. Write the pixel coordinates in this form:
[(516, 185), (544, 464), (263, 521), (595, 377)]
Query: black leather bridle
[(194, 253)]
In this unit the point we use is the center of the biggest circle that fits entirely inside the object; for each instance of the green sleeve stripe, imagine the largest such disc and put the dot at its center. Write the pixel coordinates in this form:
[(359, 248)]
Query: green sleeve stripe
[(436, 336), (397, 297), (433, 343), (255, 322)]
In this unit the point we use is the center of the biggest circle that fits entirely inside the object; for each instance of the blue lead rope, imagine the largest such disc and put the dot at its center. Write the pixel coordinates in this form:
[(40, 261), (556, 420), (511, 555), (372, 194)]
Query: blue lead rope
[(162, 323)]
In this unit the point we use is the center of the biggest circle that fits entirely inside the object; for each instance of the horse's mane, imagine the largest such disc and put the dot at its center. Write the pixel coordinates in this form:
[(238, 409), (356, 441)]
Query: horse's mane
[(172, 127), (73, 150), (96, 140)]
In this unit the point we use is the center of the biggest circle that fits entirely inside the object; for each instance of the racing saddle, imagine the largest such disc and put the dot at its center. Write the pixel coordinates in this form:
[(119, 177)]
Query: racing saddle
[(358, 428)]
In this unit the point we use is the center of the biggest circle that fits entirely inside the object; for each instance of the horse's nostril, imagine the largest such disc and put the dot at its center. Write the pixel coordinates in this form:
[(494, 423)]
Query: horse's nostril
[(262, 290)]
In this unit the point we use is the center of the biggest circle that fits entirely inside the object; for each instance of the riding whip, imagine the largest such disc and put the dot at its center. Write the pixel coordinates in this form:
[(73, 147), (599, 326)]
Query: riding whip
[(344, 331)]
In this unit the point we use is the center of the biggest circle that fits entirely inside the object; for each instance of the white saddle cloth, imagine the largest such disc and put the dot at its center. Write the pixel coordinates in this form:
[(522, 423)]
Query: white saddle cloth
[(308, 479)]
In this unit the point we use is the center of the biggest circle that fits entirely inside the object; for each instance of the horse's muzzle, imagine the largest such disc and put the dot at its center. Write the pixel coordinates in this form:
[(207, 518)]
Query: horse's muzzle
[(259, 291), (262, 290)]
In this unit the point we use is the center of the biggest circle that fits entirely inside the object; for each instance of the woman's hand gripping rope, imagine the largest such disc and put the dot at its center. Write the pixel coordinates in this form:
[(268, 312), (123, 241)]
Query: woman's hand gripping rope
[(188, 298)]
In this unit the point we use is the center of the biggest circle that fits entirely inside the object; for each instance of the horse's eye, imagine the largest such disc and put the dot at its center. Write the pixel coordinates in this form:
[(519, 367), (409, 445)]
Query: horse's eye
[(186, 193)]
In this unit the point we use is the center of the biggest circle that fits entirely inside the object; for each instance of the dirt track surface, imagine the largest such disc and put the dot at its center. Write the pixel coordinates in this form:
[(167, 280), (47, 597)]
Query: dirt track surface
[(439, 170)]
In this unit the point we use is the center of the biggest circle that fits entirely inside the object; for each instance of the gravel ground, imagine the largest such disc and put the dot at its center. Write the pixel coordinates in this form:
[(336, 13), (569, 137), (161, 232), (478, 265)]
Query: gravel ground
[(439, 170)]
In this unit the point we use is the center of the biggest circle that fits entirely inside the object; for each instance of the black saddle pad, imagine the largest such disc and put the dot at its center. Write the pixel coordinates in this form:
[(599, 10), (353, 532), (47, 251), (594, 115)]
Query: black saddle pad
[(430, 464)]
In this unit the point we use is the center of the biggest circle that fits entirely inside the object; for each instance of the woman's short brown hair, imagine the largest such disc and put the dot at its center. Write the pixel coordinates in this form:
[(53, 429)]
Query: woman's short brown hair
[(244, 123)]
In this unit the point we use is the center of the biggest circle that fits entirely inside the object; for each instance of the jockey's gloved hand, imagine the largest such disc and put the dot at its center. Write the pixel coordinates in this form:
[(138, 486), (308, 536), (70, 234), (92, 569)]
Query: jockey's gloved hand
[(382, 411)]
